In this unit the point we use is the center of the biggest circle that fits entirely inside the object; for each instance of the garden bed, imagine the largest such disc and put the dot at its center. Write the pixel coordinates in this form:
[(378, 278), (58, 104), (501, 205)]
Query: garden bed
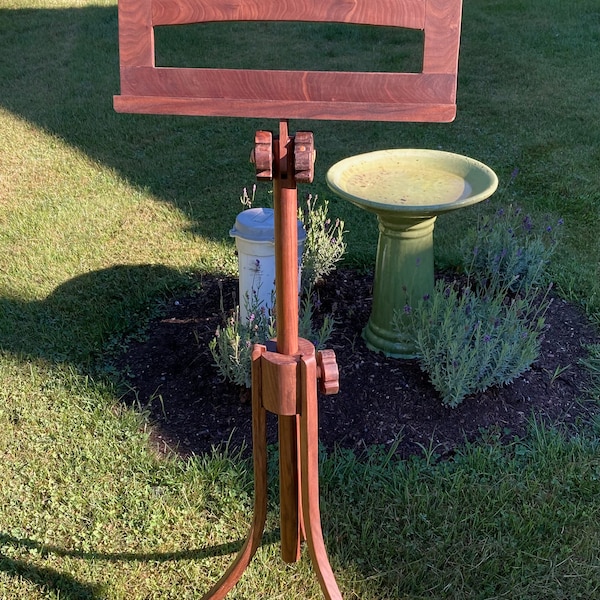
[(381, 400)]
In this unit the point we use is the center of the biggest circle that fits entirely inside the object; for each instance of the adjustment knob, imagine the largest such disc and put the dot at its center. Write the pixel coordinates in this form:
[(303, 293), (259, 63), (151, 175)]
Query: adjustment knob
[(329, 376), (262, 155), (304, 156)]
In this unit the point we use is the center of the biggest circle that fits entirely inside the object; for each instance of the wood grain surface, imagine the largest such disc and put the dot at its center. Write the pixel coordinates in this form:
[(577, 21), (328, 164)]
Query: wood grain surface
[(426, 96)]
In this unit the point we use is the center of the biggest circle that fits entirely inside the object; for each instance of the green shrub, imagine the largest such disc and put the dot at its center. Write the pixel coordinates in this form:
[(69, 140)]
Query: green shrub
[(231, 348), (306, 326), (488, 332), (509, 249), (468, 341), (324, 246)]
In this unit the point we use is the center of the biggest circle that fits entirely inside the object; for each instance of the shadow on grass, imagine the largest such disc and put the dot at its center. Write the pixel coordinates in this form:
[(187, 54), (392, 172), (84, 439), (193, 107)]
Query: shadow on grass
[(83, 316), (269, 538), (60, 70), (64, 585), (70, 589)]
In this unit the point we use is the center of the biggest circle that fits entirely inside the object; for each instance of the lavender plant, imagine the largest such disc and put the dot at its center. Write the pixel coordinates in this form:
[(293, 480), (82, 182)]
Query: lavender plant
[(246, 199), (324, 246), (306, 327), (231, 348), (488, 332), (468, 342), (510, 249)]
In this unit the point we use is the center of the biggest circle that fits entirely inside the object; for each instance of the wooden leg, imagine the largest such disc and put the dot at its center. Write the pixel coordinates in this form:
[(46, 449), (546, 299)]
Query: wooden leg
[(289, 494), (259, 442), (309, 459)]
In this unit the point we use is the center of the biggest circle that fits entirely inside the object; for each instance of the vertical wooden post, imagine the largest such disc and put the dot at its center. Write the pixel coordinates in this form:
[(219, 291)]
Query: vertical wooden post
[(286, 307), (286, 244)]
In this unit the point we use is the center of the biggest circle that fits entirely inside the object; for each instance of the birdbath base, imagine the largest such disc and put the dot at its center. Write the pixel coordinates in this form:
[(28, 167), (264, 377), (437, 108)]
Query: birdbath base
[(403, 275), (407, 190)]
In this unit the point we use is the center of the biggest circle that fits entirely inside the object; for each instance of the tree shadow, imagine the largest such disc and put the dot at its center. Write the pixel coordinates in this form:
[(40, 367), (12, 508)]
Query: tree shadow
[(60, 70), (76, 322)]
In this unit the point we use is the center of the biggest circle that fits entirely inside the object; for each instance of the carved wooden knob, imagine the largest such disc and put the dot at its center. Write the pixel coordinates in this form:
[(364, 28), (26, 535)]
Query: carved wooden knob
[(304, 156), (262, 155), (329, 376)]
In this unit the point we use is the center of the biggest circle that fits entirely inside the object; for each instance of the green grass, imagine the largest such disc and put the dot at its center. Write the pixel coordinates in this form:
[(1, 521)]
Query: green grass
[(494, 522), (104, 216)]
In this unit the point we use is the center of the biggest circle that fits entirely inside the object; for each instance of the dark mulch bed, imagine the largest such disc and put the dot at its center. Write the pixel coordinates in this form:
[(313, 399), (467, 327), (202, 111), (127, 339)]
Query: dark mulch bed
[(172, 373)]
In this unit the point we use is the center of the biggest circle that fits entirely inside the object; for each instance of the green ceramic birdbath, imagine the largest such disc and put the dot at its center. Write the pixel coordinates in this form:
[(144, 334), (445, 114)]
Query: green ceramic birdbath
[(407, 189)]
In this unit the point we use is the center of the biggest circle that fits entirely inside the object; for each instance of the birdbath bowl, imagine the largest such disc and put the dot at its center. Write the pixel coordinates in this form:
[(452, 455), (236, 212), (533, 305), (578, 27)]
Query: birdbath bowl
[(407, 189)]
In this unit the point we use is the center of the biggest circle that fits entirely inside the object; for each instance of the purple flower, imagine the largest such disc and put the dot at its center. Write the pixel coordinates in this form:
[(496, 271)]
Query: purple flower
[(486, 338), (407, 309), (514, 174)]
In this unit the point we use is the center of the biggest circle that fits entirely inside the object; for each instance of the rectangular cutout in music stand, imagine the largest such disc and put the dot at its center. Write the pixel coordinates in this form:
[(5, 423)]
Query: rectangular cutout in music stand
[(427, 96)]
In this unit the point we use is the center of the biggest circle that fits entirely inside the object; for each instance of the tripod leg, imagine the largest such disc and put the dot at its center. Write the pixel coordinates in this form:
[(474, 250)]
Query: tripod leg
[(309, 448), (259, 450), (289, 474)]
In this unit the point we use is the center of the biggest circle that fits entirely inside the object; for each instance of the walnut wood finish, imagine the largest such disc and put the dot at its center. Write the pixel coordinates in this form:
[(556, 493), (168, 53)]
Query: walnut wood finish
[(426, 96), (309, 461), (262, 155), (300, 514)]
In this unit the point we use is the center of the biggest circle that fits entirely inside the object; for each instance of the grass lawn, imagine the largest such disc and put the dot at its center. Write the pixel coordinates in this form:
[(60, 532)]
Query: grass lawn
[(104, 216)]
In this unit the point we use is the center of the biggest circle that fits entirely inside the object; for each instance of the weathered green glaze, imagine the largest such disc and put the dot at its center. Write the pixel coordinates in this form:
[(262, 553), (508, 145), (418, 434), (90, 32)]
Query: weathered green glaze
[(406, 189)]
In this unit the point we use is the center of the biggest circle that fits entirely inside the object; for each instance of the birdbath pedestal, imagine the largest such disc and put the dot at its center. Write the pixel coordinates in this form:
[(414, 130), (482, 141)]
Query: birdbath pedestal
[(407, 189)]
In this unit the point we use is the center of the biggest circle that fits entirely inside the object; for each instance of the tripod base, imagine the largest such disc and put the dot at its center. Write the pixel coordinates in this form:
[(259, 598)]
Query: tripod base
[(287, 386)]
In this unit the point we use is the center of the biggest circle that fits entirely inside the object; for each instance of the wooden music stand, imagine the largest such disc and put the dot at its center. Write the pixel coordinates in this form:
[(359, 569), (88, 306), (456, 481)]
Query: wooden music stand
[(285, 373)]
